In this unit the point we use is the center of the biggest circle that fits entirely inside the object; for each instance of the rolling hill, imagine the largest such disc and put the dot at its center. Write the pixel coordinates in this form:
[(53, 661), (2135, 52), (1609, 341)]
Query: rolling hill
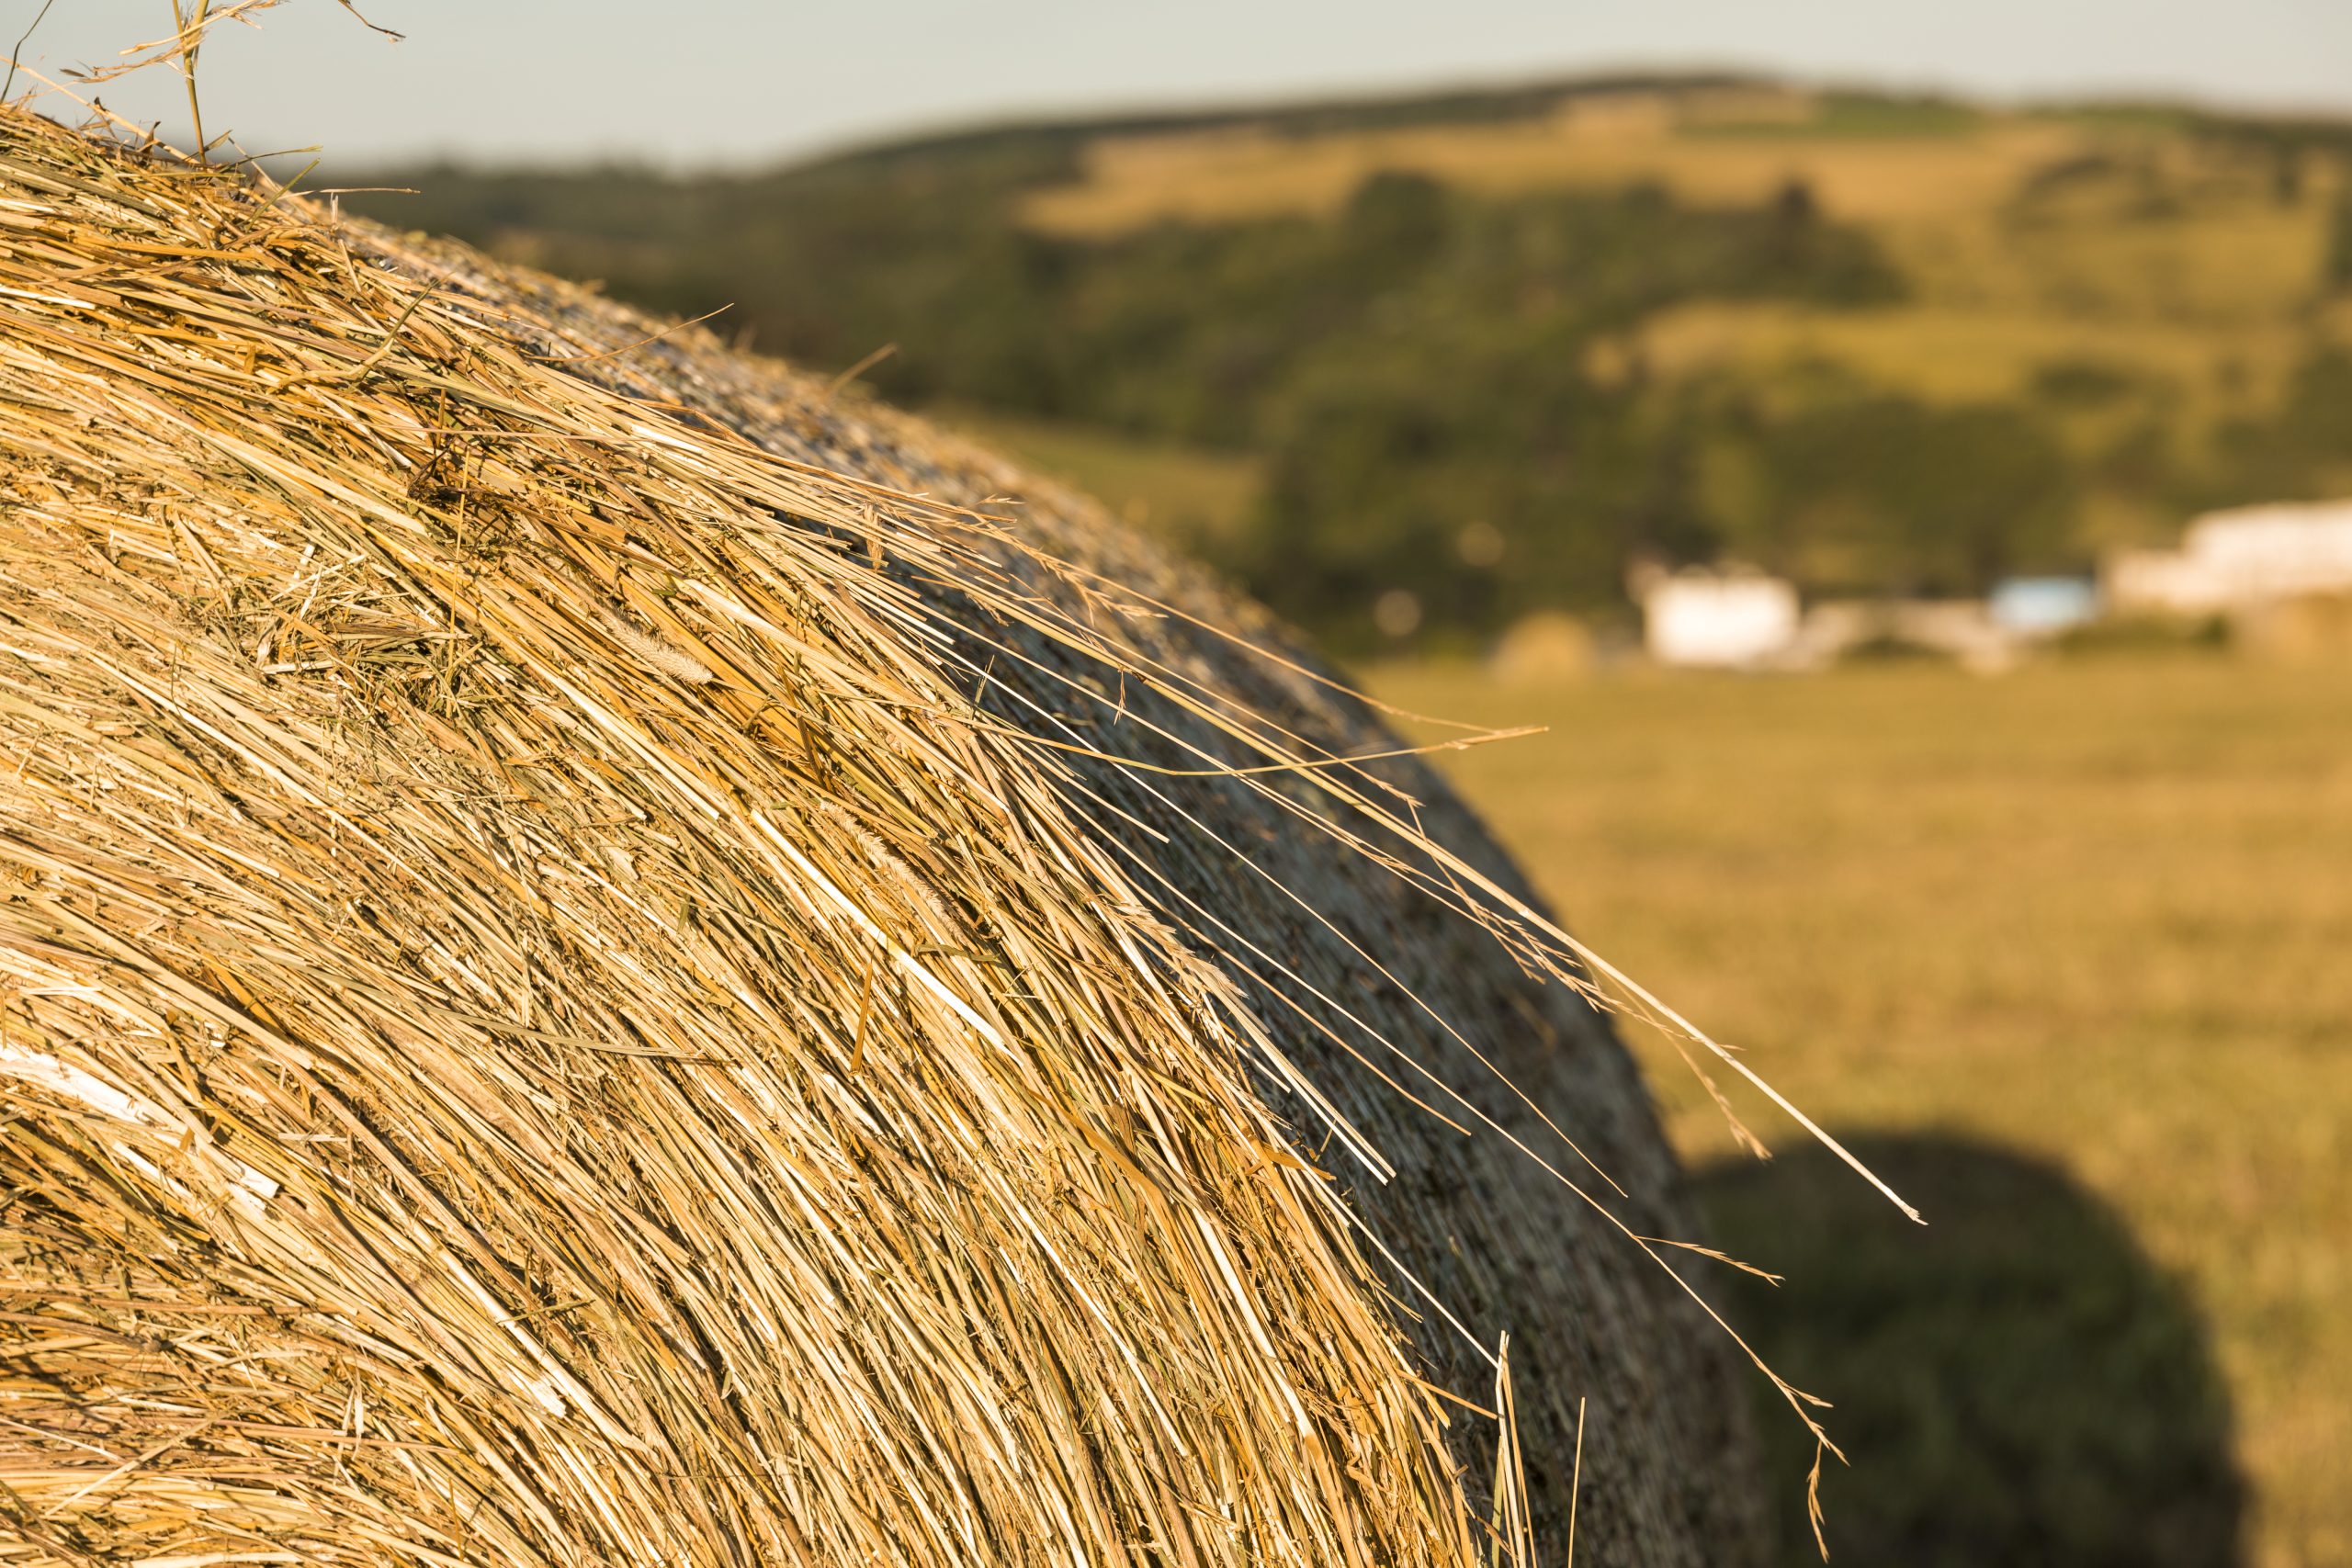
[(1880, 342)]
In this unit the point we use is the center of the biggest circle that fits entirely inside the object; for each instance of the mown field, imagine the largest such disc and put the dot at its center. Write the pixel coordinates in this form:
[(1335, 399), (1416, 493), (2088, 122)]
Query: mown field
[(2069, 954)]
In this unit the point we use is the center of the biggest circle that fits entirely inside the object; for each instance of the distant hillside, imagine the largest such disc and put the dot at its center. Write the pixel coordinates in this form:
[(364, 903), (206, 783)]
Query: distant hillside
[(1488, 347)]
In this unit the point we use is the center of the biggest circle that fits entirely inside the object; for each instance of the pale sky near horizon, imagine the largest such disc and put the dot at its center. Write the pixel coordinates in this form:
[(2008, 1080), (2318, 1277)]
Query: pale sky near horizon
[(693, 81)]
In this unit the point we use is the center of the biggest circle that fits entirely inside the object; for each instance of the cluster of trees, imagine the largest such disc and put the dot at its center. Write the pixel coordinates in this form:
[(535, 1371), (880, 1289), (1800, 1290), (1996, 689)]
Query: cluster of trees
[(1419, 374)]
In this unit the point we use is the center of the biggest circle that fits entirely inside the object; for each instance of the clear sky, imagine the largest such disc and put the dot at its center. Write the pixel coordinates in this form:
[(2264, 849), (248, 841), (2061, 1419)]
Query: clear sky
[(751, 81)]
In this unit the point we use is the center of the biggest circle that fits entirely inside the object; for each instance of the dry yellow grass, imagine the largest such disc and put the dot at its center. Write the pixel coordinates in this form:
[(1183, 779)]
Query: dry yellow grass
[(1231, 174), (2233, 260), (2095, 914), (1951, 355)]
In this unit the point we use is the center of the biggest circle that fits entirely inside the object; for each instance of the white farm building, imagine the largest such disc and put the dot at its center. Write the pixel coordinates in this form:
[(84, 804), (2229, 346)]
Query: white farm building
[(2240, 560), (1727, 619)]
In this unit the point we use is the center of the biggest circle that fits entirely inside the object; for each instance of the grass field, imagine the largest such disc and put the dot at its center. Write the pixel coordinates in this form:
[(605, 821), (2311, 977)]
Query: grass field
[(1131, 182), (2071, 953), (1191, 497)]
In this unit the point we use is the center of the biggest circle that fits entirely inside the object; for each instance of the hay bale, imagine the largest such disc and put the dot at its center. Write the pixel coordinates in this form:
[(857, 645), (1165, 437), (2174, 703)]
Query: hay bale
[(2299, 628), (608, 959), (1543, 648)]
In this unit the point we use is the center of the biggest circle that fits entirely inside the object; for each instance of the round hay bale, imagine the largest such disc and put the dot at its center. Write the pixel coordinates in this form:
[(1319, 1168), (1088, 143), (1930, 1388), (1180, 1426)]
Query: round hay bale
[(609, 958), (2300, 628), (1543, 648)]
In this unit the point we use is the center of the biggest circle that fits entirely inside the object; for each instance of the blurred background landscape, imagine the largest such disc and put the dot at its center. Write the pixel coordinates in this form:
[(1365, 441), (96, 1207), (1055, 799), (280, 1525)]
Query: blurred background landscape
[(2007, 818), (1493, 350)]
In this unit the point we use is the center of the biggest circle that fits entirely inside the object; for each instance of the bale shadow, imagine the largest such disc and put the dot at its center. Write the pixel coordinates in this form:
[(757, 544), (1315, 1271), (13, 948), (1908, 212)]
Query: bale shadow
[(2015, 1385)]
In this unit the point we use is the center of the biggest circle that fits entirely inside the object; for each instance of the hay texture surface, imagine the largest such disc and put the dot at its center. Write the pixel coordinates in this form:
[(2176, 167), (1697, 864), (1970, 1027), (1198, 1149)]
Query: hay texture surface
[(610, 958)]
